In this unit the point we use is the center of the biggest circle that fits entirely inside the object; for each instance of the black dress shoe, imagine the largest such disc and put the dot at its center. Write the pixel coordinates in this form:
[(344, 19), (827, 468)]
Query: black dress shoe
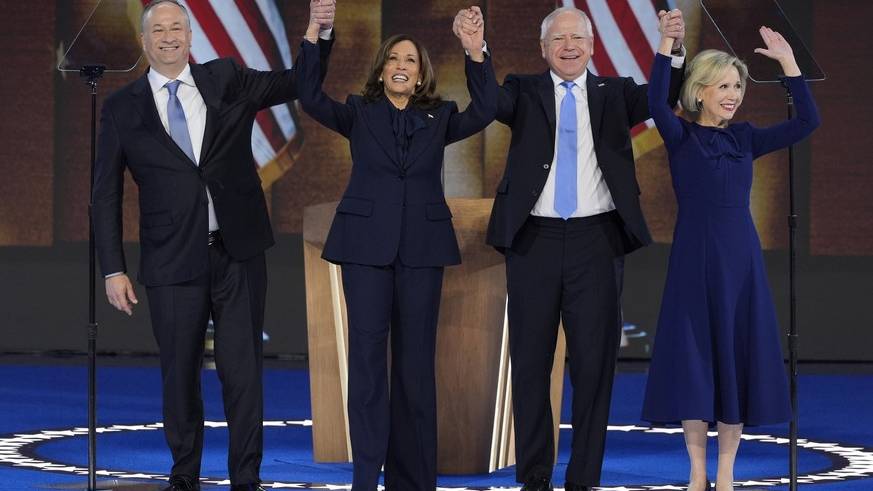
[(182, 483), (569, 486), (538, 484)]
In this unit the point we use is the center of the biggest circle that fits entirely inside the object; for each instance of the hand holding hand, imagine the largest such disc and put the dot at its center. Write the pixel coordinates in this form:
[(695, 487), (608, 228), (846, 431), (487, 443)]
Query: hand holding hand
[(778, 49), (321, 17), (671, 25), (120, 293), (469, 27), (465, 22)]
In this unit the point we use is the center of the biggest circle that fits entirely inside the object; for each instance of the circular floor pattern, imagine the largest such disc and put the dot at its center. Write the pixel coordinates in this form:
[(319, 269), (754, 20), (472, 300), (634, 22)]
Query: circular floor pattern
[(19, 450)]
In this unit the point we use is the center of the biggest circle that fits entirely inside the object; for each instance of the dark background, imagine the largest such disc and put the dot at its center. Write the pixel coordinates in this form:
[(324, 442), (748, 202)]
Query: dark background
[(44, 165)]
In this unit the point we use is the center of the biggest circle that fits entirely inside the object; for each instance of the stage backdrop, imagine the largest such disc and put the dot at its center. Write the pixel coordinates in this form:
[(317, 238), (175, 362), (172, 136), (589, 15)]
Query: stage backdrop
[(44, 156)]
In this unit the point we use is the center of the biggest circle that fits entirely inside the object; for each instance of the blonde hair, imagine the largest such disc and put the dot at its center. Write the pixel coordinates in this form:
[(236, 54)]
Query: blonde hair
[(707, 68)]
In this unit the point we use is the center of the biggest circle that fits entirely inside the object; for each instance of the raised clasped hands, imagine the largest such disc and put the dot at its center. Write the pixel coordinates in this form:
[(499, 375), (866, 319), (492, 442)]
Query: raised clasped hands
[(778, 49), (321, 17), (671, 25), (469, 27)]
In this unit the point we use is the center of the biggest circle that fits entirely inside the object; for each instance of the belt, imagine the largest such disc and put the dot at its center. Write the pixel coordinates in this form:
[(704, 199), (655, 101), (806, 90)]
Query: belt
[(609, 216), (214, 237)]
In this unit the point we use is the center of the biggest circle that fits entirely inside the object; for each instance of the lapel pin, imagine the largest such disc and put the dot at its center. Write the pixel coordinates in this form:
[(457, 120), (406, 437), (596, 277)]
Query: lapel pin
[(601, 84), (430, 115)]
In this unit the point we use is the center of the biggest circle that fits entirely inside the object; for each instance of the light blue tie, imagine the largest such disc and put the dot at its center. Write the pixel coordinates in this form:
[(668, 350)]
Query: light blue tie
[(565, 174), (178, 123)]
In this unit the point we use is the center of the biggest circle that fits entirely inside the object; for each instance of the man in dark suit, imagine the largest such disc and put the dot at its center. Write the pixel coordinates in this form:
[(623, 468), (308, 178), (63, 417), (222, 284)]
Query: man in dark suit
[(183, 131), (566, 208)]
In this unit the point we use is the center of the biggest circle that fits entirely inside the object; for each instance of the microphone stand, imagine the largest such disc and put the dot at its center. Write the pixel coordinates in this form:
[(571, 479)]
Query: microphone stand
[(792, 289), (91, 74)]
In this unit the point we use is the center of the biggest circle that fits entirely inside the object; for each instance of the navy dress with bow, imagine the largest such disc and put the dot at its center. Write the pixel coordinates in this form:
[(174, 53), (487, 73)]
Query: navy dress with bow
[(717, 355)]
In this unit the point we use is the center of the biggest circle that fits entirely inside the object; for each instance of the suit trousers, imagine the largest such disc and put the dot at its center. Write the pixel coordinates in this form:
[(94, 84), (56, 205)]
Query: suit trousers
[(563, 271), (233, 294), (397, 428)]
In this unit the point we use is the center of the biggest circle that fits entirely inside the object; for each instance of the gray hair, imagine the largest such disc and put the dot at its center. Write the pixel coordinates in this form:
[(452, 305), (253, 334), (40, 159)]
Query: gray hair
[(707, 68), (550, 19), (154, 3)]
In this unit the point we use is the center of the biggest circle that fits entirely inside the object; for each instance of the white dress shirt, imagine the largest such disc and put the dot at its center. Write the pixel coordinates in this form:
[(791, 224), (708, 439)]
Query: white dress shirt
[(592, 194), (195, 115)]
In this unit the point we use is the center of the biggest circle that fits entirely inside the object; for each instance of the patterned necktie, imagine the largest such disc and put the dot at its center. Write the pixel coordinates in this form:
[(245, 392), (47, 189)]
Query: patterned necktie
[(565, 174), (178, 123)]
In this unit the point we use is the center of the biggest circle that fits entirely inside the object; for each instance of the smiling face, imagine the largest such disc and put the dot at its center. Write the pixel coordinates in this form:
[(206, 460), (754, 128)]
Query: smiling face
[(721, 100), (166, 39), (400, 73), (567, 45)]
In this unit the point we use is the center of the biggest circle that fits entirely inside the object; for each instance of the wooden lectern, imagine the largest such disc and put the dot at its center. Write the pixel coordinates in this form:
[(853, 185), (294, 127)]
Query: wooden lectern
[(474, 404)]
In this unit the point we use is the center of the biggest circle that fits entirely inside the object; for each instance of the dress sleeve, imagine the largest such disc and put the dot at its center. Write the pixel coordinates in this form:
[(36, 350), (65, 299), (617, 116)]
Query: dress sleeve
[(330, 113), (668, 124), (766, 140)]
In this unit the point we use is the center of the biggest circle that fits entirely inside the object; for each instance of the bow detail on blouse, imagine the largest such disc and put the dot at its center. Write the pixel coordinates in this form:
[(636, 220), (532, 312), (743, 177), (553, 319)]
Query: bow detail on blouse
[(404, 123), (724, 147)]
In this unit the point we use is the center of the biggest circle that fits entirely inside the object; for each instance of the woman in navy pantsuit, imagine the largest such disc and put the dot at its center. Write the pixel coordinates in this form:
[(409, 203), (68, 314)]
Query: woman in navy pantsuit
[(717, 357), (393, 236)]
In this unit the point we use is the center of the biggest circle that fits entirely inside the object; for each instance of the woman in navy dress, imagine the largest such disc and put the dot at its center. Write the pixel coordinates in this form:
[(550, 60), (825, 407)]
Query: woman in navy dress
[(717, 357), (393, 236)]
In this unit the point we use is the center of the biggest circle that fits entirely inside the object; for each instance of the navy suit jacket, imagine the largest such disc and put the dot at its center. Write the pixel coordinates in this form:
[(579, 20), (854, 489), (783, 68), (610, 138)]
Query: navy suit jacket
[(174, 218), (391, 207), (526, 103)]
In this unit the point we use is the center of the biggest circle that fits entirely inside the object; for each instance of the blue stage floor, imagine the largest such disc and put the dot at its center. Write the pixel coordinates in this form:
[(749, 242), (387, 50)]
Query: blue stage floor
[(42, 443)]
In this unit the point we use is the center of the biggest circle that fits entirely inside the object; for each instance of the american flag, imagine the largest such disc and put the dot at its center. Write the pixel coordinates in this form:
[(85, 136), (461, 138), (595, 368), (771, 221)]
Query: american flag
[(625, 41), (253, 33)]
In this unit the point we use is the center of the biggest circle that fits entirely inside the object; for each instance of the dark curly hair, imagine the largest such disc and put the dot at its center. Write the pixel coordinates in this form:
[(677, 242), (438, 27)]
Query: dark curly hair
[(424, 96)]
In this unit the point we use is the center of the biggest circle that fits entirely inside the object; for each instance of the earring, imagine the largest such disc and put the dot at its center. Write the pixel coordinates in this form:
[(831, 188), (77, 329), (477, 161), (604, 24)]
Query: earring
[(699, 104), (418, 84), (380, 79)]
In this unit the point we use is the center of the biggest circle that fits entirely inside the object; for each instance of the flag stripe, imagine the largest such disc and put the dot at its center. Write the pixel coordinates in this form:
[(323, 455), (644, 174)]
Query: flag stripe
[(213, 30), (600, 56), (271, 14), (625, 39), (278, 126), (256, 55), (224, 45), (254, 18), (262, 150), (261, 31), (647, 18), (613, 41), (636, 40)]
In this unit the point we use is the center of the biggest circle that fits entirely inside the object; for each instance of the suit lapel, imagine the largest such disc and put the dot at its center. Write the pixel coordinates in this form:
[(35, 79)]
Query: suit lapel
[(546, 89), (212, 98), (425, 122), (144, 102), (378, 120), (596, 88)]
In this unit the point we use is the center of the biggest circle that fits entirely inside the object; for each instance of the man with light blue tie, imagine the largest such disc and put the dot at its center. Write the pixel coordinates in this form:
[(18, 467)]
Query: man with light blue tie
[(566, 208), (183, 131)]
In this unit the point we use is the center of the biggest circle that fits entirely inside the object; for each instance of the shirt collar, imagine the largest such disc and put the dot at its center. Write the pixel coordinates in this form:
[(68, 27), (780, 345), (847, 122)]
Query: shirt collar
[(580, 81), (158, 81)]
